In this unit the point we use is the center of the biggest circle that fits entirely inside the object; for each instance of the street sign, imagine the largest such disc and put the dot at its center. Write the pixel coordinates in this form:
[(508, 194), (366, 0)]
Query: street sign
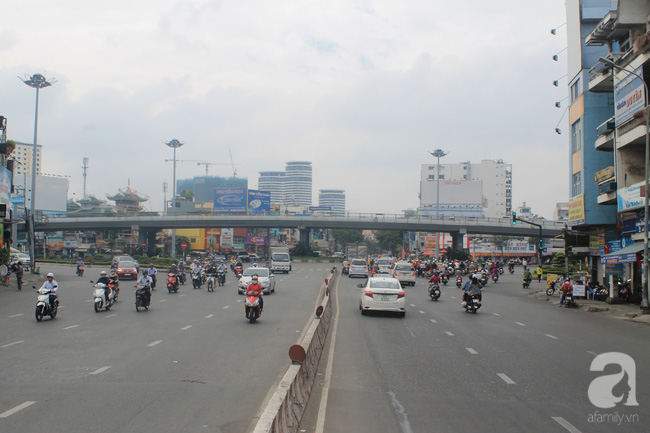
[(184, 245), (143, 244), (17, 199)]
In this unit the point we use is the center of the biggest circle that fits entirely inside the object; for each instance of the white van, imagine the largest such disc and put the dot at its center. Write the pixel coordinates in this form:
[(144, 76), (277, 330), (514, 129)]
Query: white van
[(280, 260)]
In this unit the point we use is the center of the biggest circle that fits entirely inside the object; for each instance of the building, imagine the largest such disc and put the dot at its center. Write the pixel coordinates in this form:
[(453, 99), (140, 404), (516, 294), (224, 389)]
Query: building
[(298, 183), (620, 46), (458, 198), (495, 178), (591, 105), (275, 183), (202, 188), (334, 198), (22, 154), (561, 211), (128, 201)]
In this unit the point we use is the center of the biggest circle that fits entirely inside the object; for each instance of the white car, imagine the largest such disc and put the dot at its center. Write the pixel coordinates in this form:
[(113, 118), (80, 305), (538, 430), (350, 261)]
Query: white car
[(264, 277), (358, 267), (24, 258), (382, 293), (384, 265), (404, 272)]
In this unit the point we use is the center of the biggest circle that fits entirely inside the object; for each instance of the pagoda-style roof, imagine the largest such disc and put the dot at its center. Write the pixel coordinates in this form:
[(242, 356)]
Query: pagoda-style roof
[(72, 206), (128, 195), (90, 200)]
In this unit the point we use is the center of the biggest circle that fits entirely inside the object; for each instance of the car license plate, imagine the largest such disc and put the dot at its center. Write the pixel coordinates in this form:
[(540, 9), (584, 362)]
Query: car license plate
[(385, 297)]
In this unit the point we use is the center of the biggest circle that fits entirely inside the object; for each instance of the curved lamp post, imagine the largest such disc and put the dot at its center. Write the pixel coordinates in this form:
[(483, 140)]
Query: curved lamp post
[(38, 82), (174, 144), (644, 291)]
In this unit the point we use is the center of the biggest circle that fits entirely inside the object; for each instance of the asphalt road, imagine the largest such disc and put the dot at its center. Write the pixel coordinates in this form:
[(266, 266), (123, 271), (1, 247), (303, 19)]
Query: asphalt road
[(192, 363), (518, 365)]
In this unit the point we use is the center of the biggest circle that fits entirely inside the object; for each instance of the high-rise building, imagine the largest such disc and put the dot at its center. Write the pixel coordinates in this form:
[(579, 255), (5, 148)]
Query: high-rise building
[(22, 154), (458, 182), (298, 183), (275, 183), (203, 187), (334, 198)]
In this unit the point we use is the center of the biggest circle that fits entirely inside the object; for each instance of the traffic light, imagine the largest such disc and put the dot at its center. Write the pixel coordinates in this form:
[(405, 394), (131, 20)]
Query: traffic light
[(514, 218), (541, 244)]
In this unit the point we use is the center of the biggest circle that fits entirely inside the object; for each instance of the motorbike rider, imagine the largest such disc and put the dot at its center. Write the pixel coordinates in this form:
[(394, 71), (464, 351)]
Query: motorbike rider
[(527, 276), (152, 274), (174, 270), (435, 278), (473, 289), (146, 282), (80, 263), (567, 289), (254, 287), (223, 267), (495, 273), (52, 287), (103, 279)]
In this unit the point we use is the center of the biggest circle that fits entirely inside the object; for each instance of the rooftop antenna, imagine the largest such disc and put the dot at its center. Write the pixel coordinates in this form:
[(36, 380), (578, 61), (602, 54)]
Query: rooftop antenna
[(85, 167)]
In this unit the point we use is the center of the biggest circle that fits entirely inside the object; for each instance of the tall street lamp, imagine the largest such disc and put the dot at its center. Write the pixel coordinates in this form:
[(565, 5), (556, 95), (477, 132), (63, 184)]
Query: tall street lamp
[(38, 82), (438, 153), (174, 144), (644, 302)]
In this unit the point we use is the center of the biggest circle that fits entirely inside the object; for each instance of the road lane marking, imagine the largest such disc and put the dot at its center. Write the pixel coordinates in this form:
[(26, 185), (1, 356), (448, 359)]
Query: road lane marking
[(100, 370), (409, 329), (208, 316), (472, 351), (506, 379), (496, 314), (449, 333), (17, 315), (16, 409), (186, 327), (566, 424), (154, 343), (592, 353), (551, 336), (412, 305), (90, 300), (453, 297), (111, 315), (70, 327), (227, 306), (13, 344), (520, 324), (162, 300), (421, 312), (239, 300), (182, 294), (402, 416), (434, 321)]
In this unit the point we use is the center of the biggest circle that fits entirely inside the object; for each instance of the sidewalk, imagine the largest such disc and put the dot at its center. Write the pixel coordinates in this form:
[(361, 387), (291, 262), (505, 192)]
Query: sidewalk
[(629, 312)]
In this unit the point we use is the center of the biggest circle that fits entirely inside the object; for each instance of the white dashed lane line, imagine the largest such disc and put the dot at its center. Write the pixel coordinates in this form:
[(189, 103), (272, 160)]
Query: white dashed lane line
[(412, 305), (566, 424), (163, 300), (101, 370), (434, 321), (110, 315), (227, 306), (186, 327), (472, 351), (16, 409), (421, 312), (506, 379), (70, 327), (17, 315), (154, 343), (592, 353), (496, 314), (551, 336), (12, 344), (181, 295), (208, 316), (520, 324), (449, 333)]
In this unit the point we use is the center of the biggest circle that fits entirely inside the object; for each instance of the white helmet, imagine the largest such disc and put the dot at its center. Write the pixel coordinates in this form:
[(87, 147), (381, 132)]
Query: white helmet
[(102, 273), (50, 275)]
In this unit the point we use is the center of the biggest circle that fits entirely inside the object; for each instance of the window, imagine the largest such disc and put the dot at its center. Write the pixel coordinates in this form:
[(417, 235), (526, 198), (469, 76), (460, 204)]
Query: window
[(441, 177), (575, 90), (432, 177), (576, 136), (576, 184)]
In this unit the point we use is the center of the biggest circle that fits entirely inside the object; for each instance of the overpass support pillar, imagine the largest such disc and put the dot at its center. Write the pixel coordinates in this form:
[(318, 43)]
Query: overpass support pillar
[(148, 237), (304, 234), (457, 240)]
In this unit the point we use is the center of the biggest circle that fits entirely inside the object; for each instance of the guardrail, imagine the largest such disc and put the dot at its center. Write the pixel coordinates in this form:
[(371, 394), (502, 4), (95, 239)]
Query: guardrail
[(287, 405)]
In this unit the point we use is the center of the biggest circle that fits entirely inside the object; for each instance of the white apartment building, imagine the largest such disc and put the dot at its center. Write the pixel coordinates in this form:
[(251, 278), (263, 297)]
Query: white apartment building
[(494, 175), (334, 198), (22, 154)]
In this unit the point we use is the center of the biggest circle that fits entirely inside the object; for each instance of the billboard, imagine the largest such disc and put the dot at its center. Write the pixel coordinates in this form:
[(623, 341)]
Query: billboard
[(452, 192), (227, 238), (630, 198), (628, 96), (5, 186), (230, 200), (257, 240), (259, 202), (577, 210)]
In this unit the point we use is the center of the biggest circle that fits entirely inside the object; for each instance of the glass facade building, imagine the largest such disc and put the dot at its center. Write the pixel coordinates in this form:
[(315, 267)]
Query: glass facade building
[(334, 198), (275, 183), (298, 183)]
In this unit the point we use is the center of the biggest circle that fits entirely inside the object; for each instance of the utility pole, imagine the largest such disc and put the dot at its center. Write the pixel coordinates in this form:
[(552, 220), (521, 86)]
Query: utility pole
[(85, 168)]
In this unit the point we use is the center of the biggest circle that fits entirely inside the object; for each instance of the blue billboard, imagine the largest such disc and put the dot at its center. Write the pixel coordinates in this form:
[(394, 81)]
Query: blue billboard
[(230, 200), (259, 202)]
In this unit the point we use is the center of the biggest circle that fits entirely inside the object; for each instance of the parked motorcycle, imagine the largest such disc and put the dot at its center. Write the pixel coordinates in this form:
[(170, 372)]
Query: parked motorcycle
[(172, 282), (625, 290), (101, 300), (221, 278), (141, 301), (252, 306), (473, 304), (43, 307), (434, 292), (196, 279)]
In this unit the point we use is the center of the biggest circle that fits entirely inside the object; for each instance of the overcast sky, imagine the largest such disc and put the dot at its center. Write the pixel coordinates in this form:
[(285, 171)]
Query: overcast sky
[(362, 88)]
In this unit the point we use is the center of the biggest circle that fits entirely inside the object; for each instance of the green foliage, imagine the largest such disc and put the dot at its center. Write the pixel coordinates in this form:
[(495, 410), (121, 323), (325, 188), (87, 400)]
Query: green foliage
[(5, 256), (301, 249), (346, 236), (390, 240), (179, 240), (456, 255)]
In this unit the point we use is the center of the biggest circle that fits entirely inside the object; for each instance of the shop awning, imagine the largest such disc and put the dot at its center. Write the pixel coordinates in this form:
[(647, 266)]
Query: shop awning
[(624, 255)]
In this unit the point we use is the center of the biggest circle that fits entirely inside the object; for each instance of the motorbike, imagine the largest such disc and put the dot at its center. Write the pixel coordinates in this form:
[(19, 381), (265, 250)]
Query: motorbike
[(624, 290), (43, 307), (80, 270), (434, 292), (459, 281), (252, 306), (238, 271), (444, 279), (172, 282), (525, 283), (495, 277), (141, 299), (182, 277), (551, 288), (473, 304), (485, 279), (511, 269), (569, 302), (601, 293), (221, 278), (346, 270), (211, 282), (101, 300), (500, 271), (196, 279)]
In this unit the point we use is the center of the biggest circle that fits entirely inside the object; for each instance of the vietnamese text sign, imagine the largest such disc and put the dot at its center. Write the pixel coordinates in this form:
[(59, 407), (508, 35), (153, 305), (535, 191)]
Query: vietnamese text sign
[(629, 198), (259, 202), (577, 210), (628, 97)]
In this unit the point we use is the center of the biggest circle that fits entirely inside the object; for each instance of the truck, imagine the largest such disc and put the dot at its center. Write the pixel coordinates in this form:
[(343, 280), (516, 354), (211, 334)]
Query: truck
[(356, 251), (280, 260)]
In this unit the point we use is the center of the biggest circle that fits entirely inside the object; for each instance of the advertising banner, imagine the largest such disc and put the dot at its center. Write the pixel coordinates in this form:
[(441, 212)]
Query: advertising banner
[(259, 202), (230, 200), (628, 97), (597, 243), (5, 186), (226, 238), (577, 211), (629, 198), (257, 240)]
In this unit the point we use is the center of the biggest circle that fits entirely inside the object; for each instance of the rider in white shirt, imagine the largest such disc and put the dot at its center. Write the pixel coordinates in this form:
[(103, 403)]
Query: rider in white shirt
[(52, 287)]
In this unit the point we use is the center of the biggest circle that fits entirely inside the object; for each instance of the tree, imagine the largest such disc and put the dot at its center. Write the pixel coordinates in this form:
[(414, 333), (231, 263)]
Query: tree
[(347, 236), (456, 254), (301, 249), (390, 240), (179, 241)]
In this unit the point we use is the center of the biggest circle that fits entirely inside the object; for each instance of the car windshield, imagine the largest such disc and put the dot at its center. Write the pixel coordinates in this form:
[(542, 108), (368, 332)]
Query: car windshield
[(261, 272), (384, 284), (383, 262), (281, 257), (359, 263), (126, 265), (403, 267)]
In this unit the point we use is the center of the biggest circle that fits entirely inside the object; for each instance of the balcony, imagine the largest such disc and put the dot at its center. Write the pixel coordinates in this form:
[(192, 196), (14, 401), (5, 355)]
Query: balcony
[(605, 136), (601, 78)]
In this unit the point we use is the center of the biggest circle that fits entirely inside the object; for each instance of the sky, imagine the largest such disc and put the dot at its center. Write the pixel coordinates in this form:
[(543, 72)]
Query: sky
[(364, 89)]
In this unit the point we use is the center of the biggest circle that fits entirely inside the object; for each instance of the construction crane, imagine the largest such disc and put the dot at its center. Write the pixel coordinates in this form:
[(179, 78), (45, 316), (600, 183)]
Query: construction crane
[(206, 163), (234, 172)]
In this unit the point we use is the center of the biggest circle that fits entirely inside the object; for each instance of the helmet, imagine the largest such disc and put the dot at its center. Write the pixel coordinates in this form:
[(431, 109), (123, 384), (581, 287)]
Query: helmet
[(50, 275), (145, 272), (254, 277), (102, 273)]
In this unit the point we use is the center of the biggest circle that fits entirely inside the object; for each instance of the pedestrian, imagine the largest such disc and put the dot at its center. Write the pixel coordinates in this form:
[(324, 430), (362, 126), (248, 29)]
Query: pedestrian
[(17, 268)]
